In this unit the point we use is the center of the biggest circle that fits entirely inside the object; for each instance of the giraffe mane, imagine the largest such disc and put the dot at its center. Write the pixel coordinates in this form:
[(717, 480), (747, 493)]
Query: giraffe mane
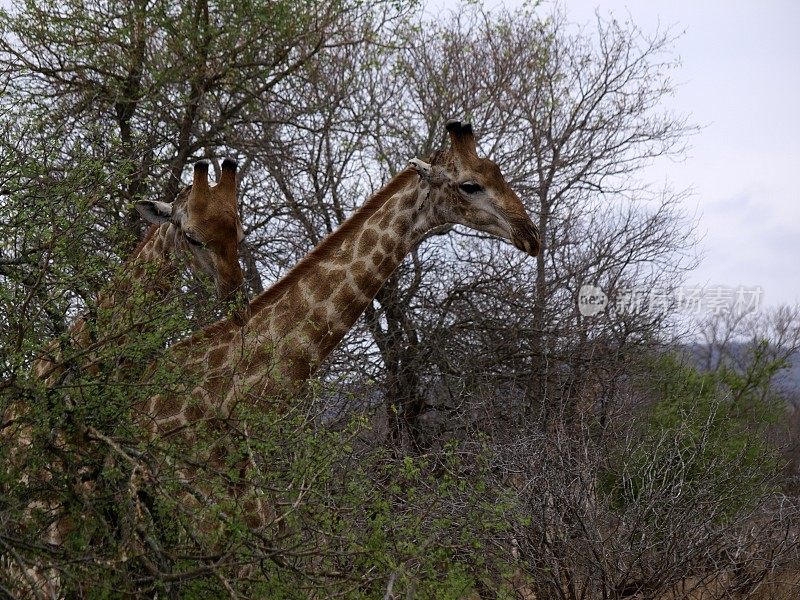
[(327, 246)]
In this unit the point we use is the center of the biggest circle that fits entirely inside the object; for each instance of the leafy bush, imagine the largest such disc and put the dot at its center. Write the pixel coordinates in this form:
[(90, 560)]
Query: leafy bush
[(702, 442)]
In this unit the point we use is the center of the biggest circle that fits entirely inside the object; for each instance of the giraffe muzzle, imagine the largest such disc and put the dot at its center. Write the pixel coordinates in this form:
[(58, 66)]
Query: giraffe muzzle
[(525, 236)]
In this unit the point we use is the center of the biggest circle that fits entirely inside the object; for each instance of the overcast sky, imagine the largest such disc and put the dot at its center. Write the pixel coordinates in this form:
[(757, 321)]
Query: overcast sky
[(740, 78)]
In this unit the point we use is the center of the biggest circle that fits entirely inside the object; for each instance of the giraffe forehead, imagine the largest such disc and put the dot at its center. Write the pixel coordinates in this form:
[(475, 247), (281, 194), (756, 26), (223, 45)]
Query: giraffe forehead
[(220, 201), (480, 170), (217, 223), (224, 197)]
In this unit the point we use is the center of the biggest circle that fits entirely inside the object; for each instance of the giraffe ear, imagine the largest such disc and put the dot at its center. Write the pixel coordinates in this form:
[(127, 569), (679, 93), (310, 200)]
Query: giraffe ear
[(154, 211), (422, 168)]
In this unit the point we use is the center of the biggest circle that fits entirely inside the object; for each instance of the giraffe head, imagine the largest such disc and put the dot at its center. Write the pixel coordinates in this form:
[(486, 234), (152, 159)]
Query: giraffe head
[(471, 191), (208, 228)]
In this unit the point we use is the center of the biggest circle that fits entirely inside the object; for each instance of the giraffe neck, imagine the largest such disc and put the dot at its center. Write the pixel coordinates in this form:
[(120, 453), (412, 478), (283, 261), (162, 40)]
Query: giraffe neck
[(325, 294), (152, 265)]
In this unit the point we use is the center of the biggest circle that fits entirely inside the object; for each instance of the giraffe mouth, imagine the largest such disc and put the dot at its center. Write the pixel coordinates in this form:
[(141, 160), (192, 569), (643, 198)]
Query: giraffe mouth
[(525, 236), (238, 308), (529, 248), (235, 298)]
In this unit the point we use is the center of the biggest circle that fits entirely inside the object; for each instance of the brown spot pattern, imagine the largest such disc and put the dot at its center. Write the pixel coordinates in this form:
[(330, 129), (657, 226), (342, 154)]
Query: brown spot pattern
[(217, 356), (367, 242), (388, 243)]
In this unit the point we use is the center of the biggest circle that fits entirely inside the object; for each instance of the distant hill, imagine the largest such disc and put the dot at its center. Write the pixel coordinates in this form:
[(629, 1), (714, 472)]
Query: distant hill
[(789, 380), (786, 380)]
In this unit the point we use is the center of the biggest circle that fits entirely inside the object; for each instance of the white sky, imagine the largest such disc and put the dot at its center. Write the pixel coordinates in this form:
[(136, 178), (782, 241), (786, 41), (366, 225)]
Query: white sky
[(740, 77)]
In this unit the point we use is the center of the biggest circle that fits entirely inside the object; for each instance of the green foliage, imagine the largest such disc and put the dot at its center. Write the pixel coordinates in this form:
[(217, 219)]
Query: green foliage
[(702, 444), (344, 519)]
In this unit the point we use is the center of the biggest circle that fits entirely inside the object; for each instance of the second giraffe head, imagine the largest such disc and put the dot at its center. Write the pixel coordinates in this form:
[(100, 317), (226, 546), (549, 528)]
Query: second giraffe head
[(207, 220)]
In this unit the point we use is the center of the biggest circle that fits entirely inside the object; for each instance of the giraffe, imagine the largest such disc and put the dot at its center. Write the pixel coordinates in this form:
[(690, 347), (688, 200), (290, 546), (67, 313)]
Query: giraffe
[(201, 225), (297, 322), (229, 372), (201, 228)]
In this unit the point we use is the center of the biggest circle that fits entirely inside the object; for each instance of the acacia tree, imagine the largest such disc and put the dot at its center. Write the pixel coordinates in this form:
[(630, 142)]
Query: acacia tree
[(164, 84)]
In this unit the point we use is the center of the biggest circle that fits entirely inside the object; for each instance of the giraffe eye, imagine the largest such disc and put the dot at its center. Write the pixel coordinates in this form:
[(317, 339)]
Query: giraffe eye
[(194, 242), (470, 187)]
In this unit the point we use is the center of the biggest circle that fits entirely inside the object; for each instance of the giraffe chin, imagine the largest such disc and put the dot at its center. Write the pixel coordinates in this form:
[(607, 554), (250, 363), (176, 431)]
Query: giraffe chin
[(528, 246)]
